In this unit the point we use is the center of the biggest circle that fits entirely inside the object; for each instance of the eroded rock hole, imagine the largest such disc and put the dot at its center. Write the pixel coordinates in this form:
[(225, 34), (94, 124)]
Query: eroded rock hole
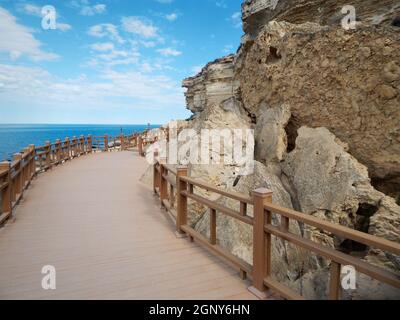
[(291, 133), (273, 56), (389, 186), (236, 181), (396, 22), (364, 213)]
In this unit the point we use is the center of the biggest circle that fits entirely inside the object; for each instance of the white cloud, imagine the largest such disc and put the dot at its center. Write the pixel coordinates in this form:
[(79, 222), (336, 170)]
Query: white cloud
[(148, 44), (31, 9), (140, 26), (106, 30), (106, 46), (86, 9), (169, 52), (17, 40), (92, 10), (236, 19), (21, 85), (63, 26), (171, 17), (221, 4)]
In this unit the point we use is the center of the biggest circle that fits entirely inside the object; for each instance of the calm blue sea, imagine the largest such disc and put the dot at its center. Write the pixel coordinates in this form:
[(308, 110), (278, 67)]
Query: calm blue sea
[(15, 137)]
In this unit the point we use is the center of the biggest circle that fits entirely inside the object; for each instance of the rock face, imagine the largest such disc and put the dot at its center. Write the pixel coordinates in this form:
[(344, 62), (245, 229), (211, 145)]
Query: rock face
[(348, 82), (257, 13), (324, 104), (334, 186), (214, 84), (270, 134)]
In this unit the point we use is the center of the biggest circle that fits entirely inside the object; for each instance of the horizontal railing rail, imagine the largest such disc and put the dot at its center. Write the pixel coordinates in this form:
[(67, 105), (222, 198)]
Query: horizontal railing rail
[(337, 258), (173, 185)]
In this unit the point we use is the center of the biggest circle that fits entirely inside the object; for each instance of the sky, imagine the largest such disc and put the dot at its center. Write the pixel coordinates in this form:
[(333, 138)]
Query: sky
[(108, 61)]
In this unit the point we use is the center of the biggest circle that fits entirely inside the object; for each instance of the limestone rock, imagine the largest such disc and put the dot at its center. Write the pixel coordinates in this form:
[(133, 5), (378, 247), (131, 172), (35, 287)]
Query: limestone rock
[(214, 84), (333, 185), (289, 261), (227, 115), (257, 13), (328, 82), (304, 71), (270, 134), (315, 286), (147, 177)]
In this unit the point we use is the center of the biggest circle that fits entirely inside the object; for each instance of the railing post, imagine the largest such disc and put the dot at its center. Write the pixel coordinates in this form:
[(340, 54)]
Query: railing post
[(18, 179), (156, 175), (48, 154), (106, 143), (140, 145), (82, 145), (67, 156), (213, 226), (27, 163), (90, 143), (261, 242), (58, 151), (163, 182), (181, 205), (6, 192), (73, 147), (32, 163), (122, 142), (334, 281)]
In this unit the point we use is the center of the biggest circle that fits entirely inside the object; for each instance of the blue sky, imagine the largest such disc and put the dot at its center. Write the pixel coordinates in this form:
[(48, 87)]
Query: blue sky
[(108, 61)]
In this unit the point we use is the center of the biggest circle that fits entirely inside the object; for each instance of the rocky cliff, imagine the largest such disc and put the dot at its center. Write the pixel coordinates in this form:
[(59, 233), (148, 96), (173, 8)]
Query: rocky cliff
[(324, 104), (257, 13), (214, 84)]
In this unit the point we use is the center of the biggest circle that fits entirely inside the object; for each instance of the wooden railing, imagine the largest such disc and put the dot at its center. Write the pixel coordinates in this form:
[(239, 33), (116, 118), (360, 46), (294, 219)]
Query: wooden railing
[(15, 176), (175, 188)]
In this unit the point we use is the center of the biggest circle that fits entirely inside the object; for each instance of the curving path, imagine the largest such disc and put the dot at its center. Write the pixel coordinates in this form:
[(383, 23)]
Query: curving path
[(105, 234)]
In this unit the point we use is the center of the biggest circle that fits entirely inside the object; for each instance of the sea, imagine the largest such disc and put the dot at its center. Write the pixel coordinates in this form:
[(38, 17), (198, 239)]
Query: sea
[(15, 137)]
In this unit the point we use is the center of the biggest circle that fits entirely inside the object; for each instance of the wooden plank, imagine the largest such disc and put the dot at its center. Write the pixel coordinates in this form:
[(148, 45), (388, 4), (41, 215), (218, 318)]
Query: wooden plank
[(213, 226), (170, 169), (72, 229), (3, 185), (261, 242), (334, 281), (170, 179)]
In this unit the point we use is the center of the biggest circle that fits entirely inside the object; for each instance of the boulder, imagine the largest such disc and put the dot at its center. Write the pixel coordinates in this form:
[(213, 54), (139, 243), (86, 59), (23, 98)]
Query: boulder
[(332, 185), (289, 261)]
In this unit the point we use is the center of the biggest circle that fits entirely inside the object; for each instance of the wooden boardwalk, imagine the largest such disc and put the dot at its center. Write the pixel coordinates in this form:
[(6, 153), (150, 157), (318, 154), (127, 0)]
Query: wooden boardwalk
[(105, 234)]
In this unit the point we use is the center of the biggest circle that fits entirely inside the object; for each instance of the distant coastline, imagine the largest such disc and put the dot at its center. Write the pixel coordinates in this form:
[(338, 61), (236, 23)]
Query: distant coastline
[(15, 137)]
